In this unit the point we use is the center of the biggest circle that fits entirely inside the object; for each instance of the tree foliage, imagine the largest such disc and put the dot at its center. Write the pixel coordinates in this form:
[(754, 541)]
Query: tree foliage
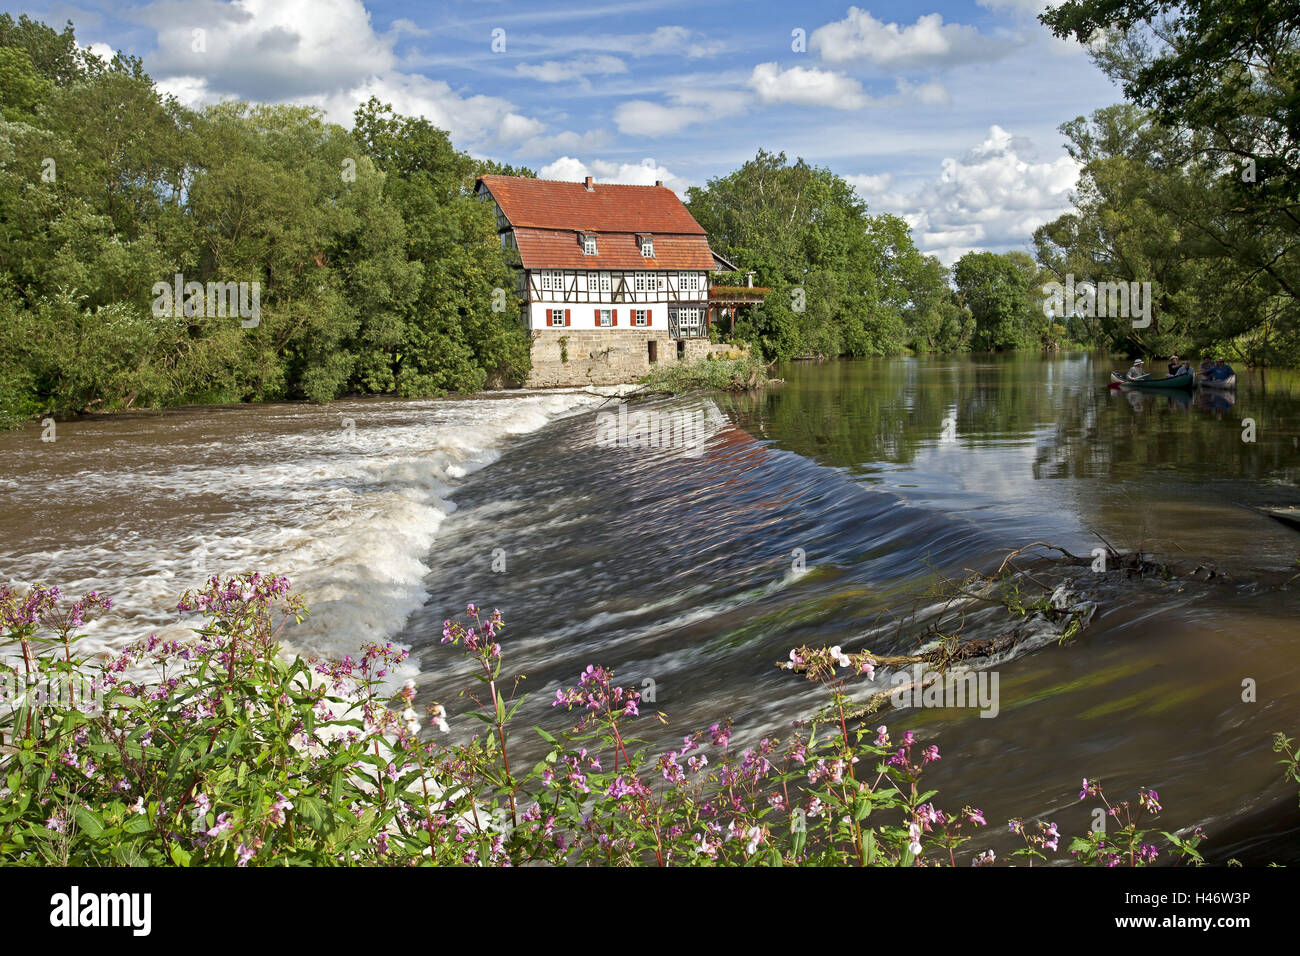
[(843, 282), (376, 266), (1195, 184)]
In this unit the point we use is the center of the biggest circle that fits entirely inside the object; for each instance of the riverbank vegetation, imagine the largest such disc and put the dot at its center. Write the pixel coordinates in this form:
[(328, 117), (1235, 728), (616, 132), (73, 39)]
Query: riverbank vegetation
[(715, 374), (365, 262), (220, 749), (1193, 184)]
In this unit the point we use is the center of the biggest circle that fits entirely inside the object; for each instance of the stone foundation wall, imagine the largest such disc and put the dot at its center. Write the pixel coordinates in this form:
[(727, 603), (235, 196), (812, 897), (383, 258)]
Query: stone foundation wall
[(610, 356)]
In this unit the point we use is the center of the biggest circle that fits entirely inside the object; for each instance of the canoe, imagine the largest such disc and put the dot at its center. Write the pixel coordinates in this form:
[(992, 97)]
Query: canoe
[(1288, 516), (1229, 382), (1173, 381)]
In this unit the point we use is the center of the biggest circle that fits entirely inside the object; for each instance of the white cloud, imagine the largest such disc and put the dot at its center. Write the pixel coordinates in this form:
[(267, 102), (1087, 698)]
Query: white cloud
[(322, 53), (676, 40), (404, 27), (878, 192), (994, 197), (928, 41), (557, 71), (566, 169), (192, 91), (868, 184), (932, 93), (645, 173), (807, 86), (101, 50), (644, 118), (479, 120), (681, 40), (688, 105), (268, 49), (566, 141), (514, 127), (714, 101)]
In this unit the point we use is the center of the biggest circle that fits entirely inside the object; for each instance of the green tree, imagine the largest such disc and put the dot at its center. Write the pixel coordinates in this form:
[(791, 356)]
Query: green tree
[(839, 277), (1220, 78), (462, 328), (996, 289)]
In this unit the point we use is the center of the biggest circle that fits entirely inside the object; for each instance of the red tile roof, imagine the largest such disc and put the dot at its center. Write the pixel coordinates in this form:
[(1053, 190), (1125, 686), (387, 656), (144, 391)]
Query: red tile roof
[(545, 204), (555, 249)]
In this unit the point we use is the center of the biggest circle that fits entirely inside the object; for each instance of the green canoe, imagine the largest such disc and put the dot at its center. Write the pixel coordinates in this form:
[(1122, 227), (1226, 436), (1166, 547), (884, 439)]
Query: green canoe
[(1287, 515), (1173, 381)]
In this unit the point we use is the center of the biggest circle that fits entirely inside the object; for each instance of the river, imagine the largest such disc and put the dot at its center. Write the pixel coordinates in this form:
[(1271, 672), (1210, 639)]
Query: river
[(817, 512)]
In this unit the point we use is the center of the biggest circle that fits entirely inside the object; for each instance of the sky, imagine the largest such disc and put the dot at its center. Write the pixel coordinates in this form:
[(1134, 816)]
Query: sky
[(945, 113)]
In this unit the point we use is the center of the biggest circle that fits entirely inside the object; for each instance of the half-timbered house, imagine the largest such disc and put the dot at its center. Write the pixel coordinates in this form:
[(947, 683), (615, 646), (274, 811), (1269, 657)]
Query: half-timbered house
[(613, 278)]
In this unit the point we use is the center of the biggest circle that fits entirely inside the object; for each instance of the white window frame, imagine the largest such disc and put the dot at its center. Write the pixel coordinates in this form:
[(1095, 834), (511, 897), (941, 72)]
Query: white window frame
[(557, 317), (639, 318), (552, 280), (686, 322), (688, 282), (647, 247), (606, 320), (645, 282), (588, 245)]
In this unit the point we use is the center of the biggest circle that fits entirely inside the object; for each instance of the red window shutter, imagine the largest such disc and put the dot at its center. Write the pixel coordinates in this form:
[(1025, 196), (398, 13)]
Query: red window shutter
[(548, 316), (649, 317), (613, 320), (598, 318), (566, 316)]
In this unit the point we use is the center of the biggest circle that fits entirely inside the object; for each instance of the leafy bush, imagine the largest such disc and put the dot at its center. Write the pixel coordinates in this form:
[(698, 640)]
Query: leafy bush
[(727, 374)]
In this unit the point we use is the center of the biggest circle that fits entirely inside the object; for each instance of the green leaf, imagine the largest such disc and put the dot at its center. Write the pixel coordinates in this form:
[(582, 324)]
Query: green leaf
[(89, 823), (869, 851)]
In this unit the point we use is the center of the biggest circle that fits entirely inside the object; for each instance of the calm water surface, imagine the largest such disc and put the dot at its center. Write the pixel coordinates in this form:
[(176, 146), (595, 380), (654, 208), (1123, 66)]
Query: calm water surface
[(679, 567)]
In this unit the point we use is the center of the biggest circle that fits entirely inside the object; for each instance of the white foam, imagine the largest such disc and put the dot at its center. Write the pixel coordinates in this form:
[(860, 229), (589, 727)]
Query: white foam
[(349, 517)]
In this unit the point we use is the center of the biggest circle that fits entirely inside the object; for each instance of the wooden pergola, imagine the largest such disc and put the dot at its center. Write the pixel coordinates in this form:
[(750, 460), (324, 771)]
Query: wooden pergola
[(729, 298)]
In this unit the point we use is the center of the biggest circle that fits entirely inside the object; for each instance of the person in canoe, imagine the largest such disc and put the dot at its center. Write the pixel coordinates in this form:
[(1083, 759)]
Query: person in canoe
[(1137, 371), (1220, 372), (1174, 365)]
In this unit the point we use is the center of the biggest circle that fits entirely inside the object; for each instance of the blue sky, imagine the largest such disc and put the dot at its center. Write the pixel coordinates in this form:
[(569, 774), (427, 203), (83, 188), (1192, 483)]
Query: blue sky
[(945, 113)]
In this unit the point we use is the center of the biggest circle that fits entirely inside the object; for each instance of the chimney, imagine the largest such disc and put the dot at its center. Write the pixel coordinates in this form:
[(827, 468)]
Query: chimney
[(659, 182), (587, 183)]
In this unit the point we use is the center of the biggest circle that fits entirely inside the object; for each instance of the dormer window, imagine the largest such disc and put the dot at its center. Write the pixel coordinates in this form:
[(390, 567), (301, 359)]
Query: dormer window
[(588, 245), (648, 247)]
